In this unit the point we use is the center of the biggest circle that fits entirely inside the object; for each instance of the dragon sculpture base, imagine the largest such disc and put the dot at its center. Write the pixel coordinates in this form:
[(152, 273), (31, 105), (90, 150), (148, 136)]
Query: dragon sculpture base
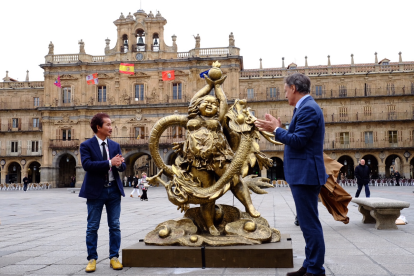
[(221, 145)]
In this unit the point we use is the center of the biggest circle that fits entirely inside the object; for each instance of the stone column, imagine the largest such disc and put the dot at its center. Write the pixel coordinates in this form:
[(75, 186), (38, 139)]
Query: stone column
[(381, 168), (264, 172), (405, 170), (80, 175)]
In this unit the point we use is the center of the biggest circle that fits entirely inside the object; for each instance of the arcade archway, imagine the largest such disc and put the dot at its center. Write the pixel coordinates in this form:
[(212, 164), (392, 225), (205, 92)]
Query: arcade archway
[(372, 162), (67, 169), (14, 173), (348, 166), (392, 163), (33, 172), (276, 171)]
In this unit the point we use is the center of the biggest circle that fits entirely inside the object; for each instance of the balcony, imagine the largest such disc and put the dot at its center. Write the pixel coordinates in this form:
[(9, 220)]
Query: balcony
[(20, 105), (20, 152), (335, 145), (21, 84), (64, 144), (20, 127), (367, 117), (131, 142)]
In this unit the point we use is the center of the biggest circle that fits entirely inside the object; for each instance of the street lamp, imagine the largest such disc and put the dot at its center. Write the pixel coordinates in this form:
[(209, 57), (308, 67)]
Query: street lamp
[(14, 168), (369, 162), (345, 162), (67, 159)]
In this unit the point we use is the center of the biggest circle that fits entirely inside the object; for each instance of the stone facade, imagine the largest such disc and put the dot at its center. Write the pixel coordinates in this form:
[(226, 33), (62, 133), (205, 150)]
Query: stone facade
[(368, 108)]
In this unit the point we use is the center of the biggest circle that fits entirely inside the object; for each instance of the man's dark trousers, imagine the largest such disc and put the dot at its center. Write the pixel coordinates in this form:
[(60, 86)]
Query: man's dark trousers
[(367, 192), (306, 201)]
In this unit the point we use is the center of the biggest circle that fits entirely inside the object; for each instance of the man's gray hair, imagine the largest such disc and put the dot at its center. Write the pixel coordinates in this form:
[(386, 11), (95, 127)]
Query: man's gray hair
[(300, 81)]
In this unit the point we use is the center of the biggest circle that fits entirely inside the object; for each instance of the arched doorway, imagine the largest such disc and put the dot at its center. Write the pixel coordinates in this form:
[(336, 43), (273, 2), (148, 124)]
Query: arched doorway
[(67, 169), (14, 173), (348, 166), (392, 163), (372, 163), (276, 171), (144, 164), (33, 172), (255, 170)]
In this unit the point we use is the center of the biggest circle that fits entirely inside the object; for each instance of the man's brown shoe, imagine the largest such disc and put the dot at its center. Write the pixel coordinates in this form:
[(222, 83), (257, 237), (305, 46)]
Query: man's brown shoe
[(116, 264), (91, 267), (300, 272), (131, 196)]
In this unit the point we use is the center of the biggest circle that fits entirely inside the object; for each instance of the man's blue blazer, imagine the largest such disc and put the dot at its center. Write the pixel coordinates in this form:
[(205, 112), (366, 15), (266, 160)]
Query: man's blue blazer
[(303, 156), (96, 167)]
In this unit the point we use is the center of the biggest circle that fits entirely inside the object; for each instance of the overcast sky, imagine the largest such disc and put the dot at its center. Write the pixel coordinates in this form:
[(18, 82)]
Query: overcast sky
[(263, 29)]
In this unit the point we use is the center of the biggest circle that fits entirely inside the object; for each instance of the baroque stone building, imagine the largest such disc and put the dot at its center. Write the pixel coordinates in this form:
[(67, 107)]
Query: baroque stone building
[(368, 108)]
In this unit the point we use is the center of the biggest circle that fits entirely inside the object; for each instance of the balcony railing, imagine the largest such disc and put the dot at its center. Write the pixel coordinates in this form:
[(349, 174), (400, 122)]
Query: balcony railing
[(365, 117), (20, 127), (20, 152), (64, 144), (21, 84), (332, 145), (143, 140), (20, 105)]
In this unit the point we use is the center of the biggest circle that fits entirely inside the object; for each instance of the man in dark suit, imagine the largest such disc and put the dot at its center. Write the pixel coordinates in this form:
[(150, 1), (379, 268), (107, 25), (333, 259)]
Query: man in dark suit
[(303, 166), (102, 160)]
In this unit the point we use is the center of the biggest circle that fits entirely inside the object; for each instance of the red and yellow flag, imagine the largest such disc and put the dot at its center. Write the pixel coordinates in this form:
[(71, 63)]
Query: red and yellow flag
[(92, 79), (126, 68), (168, 75)]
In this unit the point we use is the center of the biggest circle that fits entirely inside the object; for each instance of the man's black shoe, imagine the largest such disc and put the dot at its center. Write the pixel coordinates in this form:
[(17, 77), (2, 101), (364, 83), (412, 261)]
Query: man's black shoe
[(310, 274), (300, 272), (296, 221)]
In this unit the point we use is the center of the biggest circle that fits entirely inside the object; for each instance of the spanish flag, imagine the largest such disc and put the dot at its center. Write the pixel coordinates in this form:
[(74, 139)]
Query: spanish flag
[(126, 68)]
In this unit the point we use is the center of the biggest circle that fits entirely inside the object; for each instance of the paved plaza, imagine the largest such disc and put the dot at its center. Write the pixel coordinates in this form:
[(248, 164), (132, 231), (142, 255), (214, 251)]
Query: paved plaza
[(43, 233)]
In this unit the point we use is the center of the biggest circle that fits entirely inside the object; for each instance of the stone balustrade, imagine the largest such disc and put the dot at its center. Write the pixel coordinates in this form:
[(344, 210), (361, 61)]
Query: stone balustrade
[(328, 70), (21, 84)]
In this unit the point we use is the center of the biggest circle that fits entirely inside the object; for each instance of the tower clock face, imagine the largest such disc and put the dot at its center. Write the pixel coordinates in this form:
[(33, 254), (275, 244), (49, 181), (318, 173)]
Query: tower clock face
[(139, 56)]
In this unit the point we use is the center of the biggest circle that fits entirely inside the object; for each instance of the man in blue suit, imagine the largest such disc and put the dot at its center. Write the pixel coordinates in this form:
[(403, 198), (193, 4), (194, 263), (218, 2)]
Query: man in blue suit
[(102, 160), (303, 166)]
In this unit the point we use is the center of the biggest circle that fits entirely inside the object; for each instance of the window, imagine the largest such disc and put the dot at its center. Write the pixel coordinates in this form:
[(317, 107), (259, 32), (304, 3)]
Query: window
[(367, 111), (390, 89), (412, 88), (66, 134), (35, 122), (391, 112), (343, 113), (14, 146), (139, 132), (139, 92), (344, 138), (318, 90), (177, 132), (101, 94), (273, 92), (15, 123), (35, 146), (385, 63), (392, 137), (66, 94), (369, 138), (367, 90), (253, 112), (177, 91), (36, 102), (250, 93), (342, 91)]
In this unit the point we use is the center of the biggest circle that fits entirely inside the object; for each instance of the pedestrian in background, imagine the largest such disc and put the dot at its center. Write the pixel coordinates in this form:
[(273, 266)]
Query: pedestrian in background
[(144, 186), (25, 182), (397, 177), (135, 187), (362, 175)]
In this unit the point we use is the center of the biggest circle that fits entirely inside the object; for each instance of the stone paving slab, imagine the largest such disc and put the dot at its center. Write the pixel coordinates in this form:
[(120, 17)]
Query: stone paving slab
[(43, 233)]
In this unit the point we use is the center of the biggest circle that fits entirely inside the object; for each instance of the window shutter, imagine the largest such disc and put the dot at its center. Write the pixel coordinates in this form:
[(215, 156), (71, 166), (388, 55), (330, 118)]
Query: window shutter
[(73, 133), (29, 147), (20, 123), (400, 135), (8, 147), (362, 137), (19, 146), (72, 94), (58, 134), (411, 135), (375, 137), (10, 123), (132, 133), (40, 146), (169, 132), (146, 133), (351, 137)]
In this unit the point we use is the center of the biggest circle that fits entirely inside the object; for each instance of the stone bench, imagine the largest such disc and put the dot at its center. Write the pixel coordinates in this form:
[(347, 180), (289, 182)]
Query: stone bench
[(73, 190), (381, 211)]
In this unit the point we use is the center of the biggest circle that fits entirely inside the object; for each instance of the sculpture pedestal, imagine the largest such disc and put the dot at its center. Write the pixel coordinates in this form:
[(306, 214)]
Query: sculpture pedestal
[(267, 255)]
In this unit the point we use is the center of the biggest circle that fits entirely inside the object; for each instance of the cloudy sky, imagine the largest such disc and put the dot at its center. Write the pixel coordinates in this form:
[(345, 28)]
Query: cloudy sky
[(263, 29)]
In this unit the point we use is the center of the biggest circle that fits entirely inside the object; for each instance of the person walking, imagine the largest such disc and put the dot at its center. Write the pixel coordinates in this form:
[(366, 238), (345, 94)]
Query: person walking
[(130, 180), (135, 187), (362, 175), (397, 176), (102, 160), (303, 152), (25, 182), (144, 186), (125, 181)]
